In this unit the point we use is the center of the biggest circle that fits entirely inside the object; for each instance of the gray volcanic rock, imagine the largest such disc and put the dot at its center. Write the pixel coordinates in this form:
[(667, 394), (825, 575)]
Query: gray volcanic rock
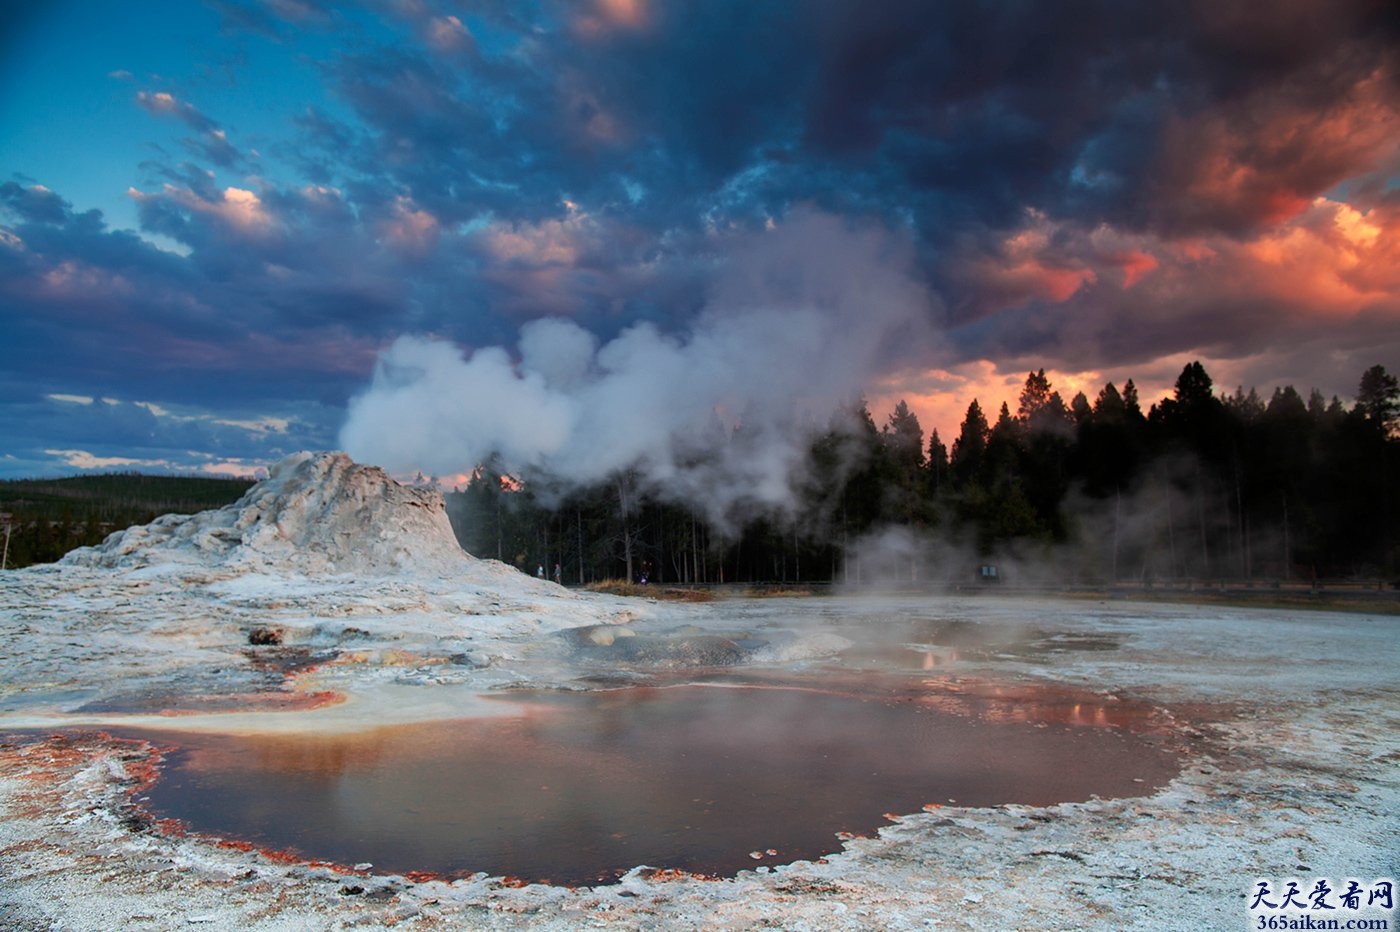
[(316, 513)]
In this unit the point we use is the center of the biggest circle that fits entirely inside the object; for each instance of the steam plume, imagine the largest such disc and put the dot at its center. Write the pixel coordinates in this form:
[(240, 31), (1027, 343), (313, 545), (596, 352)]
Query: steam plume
[(798, 322)]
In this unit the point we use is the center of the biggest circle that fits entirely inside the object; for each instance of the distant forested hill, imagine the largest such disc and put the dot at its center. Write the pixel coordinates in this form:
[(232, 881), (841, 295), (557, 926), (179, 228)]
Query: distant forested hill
[(48, 517)]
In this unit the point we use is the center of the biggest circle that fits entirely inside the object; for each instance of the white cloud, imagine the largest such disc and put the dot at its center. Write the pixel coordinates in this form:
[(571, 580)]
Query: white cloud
[(82, 459), (261, 426), (202, 464)]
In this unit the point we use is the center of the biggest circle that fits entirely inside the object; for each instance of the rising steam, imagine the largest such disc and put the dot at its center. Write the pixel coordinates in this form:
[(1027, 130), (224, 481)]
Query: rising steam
[(799, 321)]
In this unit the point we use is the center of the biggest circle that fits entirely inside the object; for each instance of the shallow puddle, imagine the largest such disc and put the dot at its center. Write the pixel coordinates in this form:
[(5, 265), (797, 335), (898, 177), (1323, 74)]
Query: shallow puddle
[(585, 786)]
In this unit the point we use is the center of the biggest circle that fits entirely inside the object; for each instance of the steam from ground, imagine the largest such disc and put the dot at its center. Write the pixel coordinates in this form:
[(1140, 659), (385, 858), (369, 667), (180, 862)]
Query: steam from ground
[(798, 322), (1172, 523)]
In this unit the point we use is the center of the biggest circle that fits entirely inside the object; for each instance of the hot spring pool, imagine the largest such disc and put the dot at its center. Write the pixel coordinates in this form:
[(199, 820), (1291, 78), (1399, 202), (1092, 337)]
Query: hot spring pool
[(710, 779)]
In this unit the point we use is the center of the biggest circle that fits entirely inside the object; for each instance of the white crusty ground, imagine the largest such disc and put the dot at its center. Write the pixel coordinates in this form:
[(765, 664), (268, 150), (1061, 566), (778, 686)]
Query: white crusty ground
[(1299, 777), (1292, 720)]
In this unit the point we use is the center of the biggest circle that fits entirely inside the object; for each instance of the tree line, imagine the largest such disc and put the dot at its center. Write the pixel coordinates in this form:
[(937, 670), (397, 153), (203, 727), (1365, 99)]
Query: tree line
[(1199, 486), (42, 519)]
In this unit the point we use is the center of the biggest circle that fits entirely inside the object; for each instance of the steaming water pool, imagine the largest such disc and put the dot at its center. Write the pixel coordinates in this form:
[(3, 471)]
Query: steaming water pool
[(711, 779)]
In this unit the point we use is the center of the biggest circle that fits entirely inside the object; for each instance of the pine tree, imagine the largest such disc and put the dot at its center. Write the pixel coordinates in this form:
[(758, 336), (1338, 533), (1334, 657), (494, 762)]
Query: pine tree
[(903, 439), (1079, 409), (970, 449), (1109, 407), (937, 462), (1130, 402), (1378, 398)]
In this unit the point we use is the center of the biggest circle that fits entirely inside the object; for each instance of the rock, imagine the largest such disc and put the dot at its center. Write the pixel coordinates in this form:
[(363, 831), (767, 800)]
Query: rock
[(316, 513), (263, 636)]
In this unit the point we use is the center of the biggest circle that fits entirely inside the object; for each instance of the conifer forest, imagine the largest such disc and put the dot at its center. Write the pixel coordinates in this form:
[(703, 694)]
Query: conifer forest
[(1199, 486)]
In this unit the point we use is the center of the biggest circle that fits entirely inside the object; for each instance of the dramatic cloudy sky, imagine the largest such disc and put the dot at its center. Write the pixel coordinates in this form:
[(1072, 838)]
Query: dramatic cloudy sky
[(215, 218)]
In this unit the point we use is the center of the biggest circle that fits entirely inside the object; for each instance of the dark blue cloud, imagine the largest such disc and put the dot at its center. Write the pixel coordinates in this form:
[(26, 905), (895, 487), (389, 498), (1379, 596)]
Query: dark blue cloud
[(34, 203)]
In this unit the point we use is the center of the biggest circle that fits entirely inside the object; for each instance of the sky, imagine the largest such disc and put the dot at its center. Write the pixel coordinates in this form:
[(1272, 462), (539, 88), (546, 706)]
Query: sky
[(415, 229)]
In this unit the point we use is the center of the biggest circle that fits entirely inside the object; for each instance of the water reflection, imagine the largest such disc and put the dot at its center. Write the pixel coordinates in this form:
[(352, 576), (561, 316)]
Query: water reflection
[(585, 786), (1030, 704)]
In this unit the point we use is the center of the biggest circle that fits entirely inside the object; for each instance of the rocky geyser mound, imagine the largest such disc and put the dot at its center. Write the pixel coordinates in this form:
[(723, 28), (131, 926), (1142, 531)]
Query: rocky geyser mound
[(316, 513)]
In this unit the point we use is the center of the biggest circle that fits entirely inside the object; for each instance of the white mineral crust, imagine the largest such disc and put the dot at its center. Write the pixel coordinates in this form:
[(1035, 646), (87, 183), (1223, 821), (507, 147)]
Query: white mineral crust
[(1292, 718)]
